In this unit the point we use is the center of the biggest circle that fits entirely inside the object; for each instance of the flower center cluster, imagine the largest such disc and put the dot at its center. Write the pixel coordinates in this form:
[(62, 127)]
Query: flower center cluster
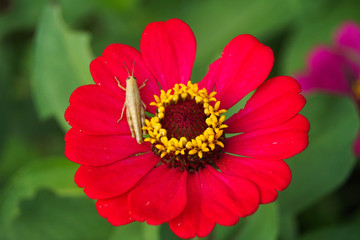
[(356, 88), (187, 131)]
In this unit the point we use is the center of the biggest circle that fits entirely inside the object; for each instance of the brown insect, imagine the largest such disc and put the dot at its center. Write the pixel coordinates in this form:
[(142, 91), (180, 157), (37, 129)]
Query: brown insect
[(135, 107)]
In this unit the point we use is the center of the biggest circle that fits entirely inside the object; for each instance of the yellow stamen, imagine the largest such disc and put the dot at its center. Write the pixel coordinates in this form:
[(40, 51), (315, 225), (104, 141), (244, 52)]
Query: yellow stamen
[(356, 88), (192, 151), (220, 144), (204, 142)]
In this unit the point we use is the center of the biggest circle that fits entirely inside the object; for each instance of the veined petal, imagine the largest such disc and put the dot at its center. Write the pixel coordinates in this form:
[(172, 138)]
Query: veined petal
[(115, 210), (274, 102), (269, 176), (168, 49), (225, 197), (101, 150), (114, 179), (192, 222), (95, 112), (244, 64), (160, 196), (278, 142)]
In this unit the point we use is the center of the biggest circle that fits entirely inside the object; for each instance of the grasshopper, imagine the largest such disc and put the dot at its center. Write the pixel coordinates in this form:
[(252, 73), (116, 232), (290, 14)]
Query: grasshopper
[(135, 107)]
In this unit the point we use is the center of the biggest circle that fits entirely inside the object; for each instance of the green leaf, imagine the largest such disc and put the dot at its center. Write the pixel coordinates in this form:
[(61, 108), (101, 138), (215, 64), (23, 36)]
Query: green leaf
[(20, 15), (15, 152), (117, 5), (315, 31), (166, 233), (288, 227), (233, 18), (136, 231), (55, 174), (61, 64), (48, 216), (262, 225), (78, 12), (329, 158), (350, 231)]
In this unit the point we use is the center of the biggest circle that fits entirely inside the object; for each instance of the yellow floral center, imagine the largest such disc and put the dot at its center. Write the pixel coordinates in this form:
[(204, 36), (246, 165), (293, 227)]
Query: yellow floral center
[(356, 88), (187, 131)]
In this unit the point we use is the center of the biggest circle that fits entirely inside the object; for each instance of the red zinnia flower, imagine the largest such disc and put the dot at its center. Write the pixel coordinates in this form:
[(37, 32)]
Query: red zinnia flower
[(187, 172)]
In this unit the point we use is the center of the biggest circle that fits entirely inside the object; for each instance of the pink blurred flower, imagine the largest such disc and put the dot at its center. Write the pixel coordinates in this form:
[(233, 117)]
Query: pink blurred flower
[(336, 68)]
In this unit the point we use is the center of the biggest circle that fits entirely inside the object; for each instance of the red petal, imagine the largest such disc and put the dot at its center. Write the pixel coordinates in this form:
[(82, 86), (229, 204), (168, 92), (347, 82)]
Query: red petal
[(114, 179), (192, 222), (100, 150), (277, 142), (95, 112), (226, 197), (115, 210), (210, 78), (274, 102), (244, 65), (105, 78), (169, 49), (160, 196), (269, 176), (104, 69)]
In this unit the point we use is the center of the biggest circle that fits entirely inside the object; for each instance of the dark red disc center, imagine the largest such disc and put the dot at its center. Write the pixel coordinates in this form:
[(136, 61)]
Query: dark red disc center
[(184, 119)]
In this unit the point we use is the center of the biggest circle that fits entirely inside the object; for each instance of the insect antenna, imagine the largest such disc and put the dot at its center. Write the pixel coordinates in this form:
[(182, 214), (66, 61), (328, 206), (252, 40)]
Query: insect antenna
[(127, 69), (133, 68)]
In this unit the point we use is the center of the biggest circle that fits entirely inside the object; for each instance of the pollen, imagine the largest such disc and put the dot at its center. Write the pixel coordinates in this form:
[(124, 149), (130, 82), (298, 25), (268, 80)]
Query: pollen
[(188, 128)]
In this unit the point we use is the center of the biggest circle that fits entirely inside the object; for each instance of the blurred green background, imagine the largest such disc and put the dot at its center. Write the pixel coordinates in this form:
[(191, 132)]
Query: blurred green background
[(45, 51)]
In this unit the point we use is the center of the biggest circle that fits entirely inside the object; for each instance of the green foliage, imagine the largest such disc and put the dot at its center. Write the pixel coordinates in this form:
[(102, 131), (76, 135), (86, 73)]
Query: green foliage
[(136, 231), (348, 231), (50, 217), (13, 156), (329, 158), (55, 174), (166, 233), (315, 31), (61, 64), (19, 15), (232, 18), (262, 225)]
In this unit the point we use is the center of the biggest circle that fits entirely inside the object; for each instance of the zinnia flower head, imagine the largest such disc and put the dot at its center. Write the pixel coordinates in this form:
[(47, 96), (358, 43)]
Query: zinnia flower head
[(336, 68), (188, 172)]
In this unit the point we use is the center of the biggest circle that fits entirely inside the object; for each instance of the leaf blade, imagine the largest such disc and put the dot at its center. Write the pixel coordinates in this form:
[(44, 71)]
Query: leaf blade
[(329, 158), (61, 64)]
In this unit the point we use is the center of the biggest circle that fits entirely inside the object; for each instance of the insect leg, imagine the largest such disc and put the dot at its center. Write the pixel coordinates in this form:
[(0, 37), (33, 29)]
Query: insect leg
[(143, 84), (129, 120), (142, 115), (122, 113), (119, 84), (143, 104)]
